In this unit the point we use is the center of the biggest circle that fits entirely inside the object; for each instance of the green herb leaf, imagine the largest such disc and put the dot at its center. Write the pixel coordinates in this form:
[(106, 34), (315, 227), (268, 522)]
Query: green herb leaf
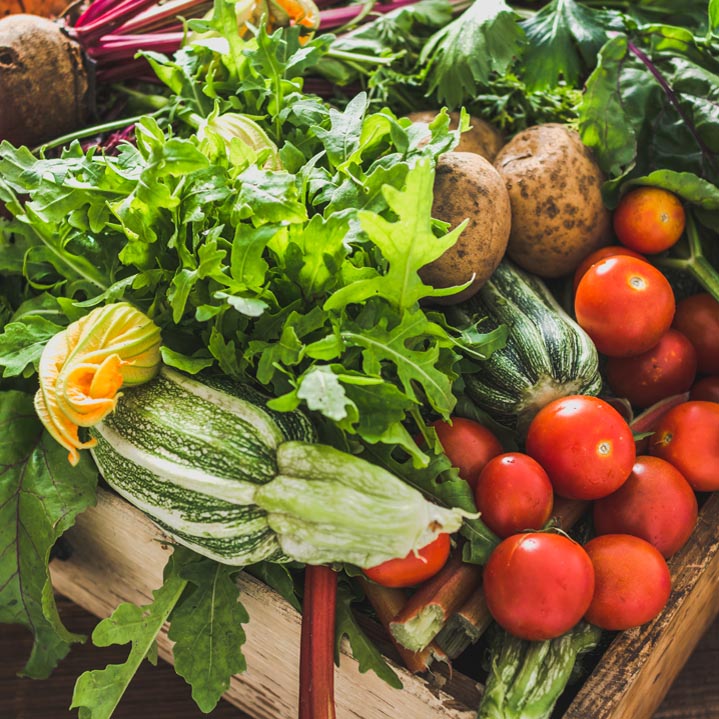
[(364, 651), (563, 39), (40, 496), (206, 626), (22, 343), (98, 692), (460, 57)]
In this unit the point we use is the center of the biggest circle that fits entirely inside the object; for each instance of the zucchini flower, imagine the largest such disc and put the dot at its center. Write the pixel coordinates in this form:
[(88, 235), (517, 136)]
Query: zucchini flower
[(83, 368)]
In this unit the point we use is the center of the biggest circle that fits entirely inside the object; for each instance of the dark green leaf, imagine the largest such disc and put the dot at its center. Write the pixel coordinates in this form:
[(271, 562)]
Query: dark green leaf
[(40, 496)]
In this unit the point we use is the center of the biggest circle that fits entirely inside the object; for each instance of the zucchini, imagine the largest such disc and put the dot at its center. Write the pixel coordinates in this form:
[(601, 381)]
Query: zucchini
[(223, 474), (547, 354)]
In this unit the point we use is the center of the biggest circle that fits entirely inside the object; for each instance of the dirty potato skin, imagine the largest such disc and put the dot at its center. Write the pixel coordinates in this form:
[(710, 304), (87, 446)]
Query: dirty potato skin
[(466, 186), (554, 185), (482, 138)]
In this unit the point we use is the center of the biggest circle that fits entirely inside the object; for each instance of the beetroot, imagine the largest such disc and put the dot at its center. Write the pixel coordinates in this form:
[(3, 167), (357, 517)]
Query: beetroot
[(43, 81)]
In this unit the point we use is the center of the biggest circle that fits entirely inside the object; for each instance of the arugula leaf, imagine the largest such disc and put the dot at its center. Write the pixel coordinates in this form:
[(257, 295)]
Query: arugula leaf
[(206, 626), (407, 244), (22, 343), (279, 578), (485, 38), (368, 657), (98, 692), (563, 39), (40, 496)]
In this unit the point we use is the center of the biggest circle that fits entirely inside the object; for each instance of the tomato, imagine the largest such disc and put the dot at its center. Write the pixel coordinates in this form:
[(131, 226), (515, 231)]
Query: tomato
[(413, 569), (697, 317), (707, 389), (687, 436), (469, 445), (649, 219), (656, 503), (632, 581), (600, 254), (667, 368), (513, 493), (585, 446), (624, 304), (538, 585)]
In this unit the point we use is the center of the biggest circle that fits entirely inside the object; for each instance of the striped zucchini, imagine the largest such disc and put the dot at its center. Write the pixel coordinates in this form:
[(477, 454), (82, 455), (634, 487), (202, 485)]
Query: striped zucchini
[(547, 354), (223, 474)]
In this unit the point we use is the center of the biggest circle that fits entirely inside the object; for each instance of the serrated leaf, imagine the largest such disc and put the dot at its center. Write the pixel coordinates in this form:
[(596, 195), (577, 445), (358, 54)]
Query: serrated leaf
[(206, 626), (407, 244), (368, 657), (98, 692), (563, 39), (460, 57), (22, 343), (40, 496)]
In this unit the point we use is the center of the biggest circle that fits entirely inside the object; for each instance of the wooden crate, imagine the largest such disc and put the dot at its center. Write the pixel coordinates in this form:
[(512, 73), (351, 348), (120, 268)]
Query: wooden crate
[(117, 555)]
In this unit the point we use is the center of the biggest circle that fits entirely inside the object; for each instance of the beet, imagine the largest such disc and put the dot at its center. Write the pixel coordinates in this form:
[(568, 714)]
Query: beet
[(43, 81)]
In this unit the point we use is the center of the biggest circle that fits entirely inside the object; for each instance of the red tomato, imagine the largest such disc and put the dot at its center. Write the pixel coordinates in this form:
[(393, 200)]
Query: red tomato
[(667, 368), (585, 446), (656, 503), (513, 493), (707, 389), (649, 219), (697, 317), (624, 304), (468, 445), (687, 436), (413, 569), (600, 254), (632, 581), (538, 585)]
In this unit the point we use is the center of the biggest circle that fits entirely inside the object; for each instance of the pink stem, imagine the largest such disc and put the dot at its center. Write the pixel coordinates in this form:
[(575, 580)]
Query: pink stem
[(89, 34), (95, 10), (155, 18), (120, 47)]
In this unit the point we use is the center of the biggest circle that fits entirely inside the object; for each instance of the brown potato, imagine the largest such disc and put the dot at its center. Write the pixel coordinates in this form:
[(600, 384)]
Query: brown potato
[(466, 186), (482, 138), (554, 185)]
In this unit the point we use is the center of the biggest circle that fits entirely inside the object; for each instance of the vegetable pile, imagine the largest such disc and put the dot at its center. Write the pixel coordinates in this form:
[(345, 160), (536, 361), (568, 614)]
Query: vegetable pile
[(276, 299)]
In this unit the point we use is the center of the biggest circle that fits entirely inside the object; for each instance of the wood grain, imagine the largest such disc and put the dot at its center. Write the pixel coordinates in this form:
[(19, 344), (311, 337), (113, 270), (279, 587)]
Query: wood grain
[(158, 693)]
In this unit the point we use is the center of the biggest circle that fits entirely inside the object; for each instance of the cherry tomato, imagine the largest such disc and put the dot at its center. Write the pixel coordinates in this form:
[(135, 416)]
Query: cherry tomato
[(585, 446), (600, 254), (413, 569), (656, 503), (697, 317), (538, 585), (707, 389), (667, 368), (687, 436), (468, 445), (632, 581), (624, 304), (649, 219), (513, 493)]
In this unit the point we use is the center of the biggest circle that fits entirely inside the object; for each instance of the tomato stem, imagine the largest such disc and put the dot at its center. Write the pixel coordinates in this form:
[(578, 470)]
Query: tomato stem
[(317, 644)]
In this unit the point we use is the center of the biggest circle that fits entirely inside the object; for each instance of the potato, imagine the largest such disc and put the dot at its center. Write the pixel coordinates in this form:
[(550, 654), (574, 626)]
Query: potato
[(466, 186), (554, 185), (482, 138)]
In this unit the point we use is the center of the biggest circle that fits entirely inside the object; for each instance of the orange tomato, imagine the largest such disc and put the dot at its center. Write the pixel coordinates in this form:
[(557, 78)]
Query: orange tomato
[(649, 220)]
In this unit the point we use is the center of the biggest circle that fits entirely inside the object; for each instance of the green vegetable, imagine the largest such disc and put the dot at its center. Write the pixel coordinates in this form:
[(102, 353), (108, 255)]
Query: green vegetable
[(235, 481), (526, 678), (547, 355), (40, 496)]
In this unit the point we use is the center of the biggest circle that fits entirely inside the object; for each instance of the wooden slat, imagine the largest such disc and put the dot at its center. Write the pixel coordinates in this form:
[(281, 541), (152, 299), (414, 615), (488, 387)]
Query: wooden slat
[(117, 555), (640, 665)]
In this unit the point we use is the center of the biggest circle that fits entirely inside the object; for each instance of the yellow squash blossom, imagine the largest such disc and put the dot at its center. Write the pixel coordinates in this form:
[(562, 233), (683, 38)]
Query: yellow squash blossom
[(83, 368)]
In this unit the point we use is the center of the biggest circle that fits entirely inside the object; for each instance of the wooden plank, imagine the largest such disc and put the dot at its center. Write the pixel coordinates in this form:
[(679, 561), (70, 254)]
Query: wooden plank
[(641, 664), (116, 554)]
